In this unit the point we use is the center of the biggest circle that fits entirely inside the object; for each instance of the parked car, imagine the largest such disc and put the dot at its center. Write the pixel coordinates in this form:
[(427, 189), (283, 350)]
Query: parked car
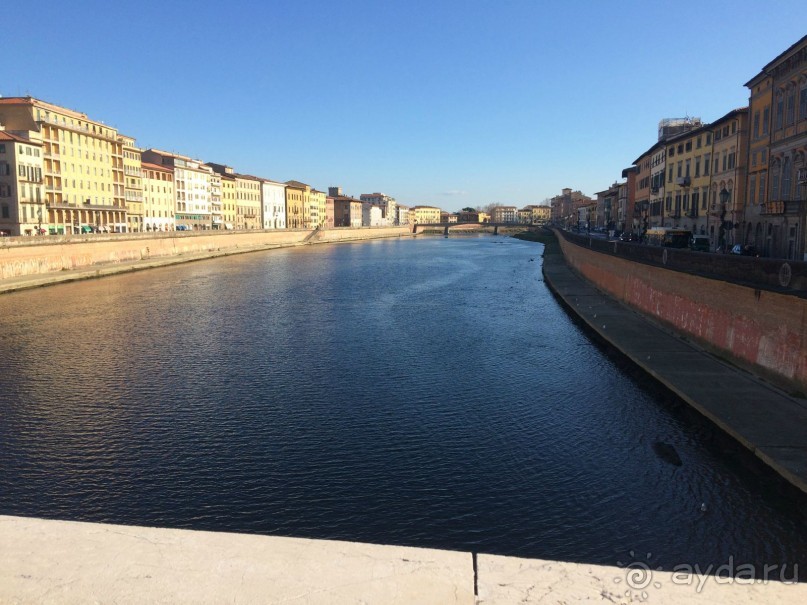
[(747, 250), (699, 243), (629, 236)]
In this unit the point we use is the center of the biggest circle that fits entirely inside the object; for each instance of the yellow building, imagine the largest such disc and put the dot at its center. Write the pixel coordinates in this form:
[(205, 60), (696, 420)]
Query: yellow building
[(22, 196), (229, 200), (317, 200), (729, 161), (82, 164), (424, 214), (297, 204), (133, 185), (689, 167), (158, 197), (248, 207)]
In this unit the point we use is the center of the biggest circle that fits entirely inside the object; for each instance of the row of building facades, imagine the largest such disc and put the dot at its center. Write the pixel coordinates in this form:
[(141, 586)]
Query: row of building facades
[(741, 179), (64, 173)]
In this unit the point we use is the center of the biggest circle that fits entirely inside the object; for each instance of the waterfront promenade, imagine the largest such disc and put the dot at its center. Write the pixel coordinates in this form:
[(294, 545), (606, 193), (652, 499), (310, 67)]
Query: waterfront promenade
[(763, 418)]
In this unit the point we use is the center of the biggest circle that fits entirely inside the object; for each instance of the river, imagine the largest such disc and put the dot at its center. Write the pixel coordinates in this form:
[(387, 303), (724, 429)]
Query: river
[(427, 392)]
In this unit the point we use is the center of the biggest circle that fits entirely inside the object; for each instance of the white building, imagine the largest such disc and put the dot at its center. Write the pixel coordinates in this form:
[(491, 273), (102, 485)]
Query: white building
[(403, 214), (191, 186), (504, 214), (273, 204), (387, 204), (372, 215)]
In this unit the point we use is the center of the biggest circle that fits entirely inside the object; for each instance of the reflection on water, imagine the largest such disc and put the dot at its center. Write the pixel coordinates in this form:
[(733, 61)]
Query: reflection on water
[(427, 392)]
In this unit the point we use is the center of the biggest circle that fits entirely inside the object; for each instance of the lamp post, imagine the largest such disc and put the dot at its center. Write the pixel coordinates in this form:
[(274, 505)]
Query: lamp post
[(721, 237)]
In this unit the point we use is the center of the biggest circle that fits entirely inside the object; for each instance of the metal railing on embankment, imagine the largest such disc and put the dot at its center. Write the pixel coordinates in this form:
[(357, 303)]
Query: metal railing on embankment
[(778, 275)]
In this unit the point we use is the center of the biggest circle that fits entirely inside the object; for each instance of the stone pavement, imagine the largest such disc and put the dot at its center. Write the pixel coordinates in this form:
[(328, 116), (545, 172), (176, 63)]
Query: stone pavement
[(67, 563), (764, 419)]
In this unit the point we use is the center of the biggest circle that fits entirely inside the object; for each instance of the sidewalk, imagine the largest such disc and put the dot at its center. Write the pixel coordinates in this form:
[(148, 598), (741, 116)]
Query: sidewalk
[(767, 421)]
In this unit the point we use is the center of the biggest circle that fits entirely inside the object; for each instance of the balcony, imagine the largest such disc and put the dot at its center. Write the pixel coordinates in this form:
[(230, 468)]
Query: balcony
[(683, 181)]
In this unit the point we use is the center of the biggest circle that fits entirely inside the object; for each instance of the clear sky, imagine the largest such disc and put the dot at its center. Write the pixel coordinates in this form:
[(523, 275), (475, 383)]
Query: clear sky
[(449, 103)]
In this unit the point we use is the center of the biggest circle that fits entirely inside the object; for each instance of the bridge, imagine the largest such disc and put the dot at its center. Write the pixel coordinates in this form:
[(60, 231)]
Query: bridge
[(469, 226)]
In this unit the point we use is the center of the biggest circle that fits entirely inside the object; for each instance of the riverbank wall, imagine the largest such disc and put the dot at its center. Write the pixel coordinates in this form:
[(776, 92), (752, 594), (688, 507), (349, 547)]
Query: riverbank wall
[(760, 327), (32, 262)]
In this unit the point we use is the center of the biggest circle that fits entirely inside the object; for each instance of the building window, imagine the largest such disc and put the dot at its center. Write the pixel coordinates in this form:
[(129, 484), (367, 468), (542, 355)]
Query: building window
[(4, 211), (803, 102), (766, 119), (762, 178), (706, 161), (752, 190), (780, 111), (787, 170), (791, 106)]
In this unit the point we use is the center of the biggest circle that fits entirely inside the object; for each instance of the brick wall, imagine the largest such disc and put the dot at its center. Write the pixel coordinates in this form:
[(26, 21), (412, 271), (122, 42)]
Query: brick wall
[(758, 329)]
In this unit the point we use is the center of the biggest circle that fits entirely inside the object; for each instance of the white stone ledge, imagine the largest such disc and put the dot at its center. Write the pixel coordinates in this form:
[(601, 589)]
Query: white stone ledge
[(64, 562)]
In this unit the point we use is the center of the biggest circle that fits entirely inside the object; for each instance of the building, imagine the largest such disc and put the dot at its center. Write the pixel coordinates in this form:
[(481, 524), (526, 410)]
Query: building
[(22, 189), (504, 214), (372, 215), (217, 218), (467, 216), (649, 188), (387, 204), (82, 164), (329, 212), (534, 215), (297, 204), (777, 175), (626, 211), (159, 198), (727, 192), (403, 214), (347, 211), (316, 218), (273, 199), (132, 184), (606, 214), (424, 214), (229, 199), (564, 207), (688, 164), (191, 188), (248, 202)]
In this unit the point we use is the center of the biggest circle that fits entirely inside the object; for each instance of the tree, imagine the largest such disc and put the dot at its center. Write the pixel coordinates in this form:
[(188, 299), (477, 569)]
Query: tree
[(468, 209)]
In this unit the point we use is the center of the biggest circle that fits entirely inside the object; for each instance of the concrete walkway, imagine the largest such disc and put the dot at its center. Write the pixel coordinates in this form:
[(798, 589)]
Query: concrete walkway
[(766, 420), (66, 563)]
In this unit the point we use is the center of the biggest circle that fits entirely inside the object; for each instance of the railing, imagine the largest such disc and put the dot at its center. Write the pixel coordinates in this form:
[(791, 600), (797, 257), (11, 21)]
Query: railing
[(781, 275)]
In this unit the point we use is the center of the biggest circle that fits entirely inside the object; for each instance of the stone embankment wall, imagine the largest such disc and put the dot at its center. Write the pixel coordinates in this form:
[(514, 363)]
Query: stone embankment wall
[(21, 257), (757, 329)]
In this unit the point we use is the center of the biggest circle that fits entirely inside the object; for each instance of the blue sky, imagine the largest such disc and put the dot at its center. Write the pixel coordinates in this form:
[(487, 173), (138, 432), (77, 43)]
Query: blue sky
[(446, 103)]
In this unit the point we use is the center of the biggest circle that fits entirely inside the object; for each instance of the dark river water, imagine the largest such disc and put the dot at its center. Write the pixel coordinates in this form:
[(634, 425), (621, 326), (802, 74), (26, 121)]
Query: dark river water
[(427, 392)]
